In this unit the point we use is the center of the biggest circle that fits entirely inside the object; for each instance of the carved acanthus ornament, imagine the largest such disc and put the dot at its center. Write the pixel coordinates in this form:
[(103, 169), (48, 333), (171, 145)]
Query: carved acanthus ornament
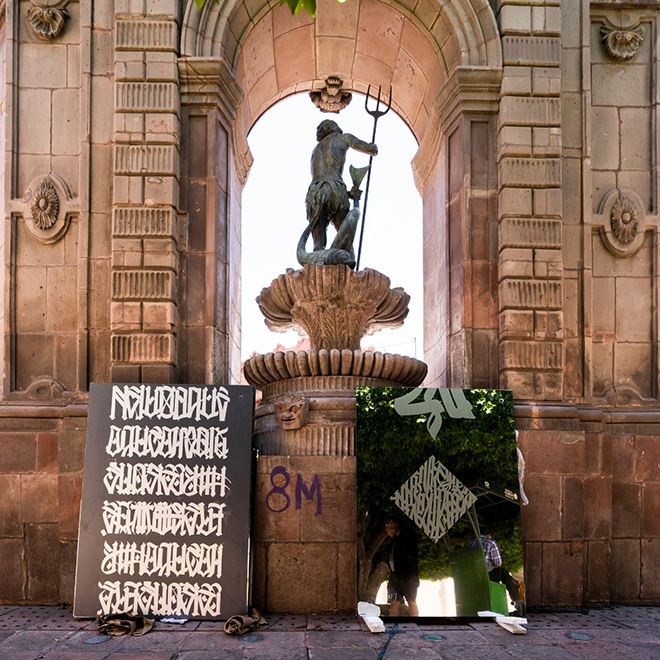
[(623, 219), (335, 306), (331, 97), (621, 43)]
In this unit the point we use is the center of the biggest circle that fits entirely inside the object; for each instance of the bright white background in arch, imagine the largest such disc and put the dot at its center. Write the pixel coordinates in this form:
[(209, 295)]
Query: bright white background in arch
[(274, 214)]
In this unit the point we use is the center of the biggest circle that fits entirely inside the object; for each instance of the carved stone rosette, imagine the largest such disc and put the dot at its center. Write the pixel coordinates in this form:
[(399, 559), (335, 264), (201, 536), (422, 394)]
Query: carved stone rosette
[(622, 223), (333, 305), (49, 208), (623, 219)]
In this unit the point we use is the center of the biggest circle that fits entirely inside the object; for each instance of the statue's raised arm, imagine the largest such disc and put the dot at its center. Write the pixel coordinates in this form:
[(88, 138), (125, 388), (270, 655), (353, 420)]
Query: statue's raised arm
[(327, 197)]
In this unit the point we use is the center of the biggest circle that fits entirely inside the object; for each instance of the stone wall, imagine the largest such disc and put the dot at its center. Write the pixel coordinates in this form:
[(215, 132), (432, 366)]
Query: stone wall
[(539, 176)]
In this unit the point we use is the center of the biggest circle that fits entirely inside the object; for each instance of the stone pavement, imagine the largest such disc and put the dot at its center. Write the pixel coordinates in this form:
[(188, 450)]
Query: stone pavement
[(619, 633)]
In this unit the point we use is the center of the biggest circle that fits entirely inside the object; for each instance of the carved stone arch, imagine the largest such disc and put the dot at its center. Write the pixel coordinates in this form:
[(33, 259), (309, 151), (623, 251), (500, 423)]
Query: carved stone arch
[(445, 67), (220, 28)]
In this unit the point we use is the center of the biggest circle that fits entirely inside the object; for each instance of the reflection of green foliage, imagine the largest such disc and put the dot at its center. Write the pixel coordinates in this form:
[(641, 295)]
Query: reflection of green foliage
[(509, 540), (391, 447)]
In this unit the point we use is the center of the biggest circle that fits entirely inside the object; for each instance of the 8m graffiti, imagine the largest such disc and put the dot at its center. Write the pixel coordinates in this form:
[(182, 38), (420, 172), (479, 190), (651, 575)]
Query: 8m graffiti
[(301, 489)]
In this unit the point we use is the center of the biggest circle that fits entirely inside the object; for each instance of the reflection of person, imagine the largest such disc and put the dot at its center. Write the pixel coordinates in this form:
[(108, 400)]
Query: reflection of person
[(327, 197), (496, 572), (404, 569)]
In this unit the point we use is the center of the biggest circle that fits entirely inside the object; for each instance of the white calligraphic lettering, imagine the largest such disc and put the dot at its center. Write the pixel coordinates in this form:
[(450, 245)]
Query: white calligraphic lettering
[(168, 402), (181, 518), (163, 442), (163, 559), (176, 479), (158, 598)]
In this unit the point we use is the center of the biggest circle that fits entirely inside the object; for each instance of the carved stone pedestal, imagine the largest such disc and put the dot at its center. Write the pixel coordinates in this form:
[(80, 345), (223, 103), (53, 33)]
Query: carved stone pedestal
[(304, 526)]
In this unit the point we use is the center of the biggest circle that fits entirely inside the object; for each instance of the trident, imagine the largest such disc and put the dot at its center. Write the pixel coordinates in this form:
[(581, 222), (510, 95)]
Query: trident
[(376, 114)]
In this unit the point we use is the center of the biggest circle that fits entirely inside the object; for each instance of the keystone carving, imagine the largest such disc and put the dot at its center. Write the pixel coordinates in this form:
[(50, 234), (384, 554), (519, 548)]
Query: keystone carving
[(623, 219), (621, 43), (47, 18), (331, 98)]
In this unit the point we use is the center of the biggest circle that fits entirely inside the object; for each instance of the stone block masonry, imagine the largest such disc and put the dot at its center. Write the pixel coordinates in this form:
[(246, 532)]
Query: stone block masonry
[(145, 199)]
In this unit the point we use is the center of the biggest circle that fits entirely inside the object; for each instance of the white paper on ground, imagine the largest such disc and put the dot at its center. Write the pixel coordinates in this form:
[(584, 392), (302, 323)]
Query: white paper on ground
[(368, 609), (374, 624), (511, 623)]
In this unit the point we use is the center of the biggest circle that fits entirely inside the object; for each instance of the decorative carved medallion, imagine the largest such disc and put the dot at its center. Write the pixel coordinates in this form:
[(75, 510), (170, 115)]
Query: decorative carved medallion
[(47, 20), (48, 208), (623, 219), (331, 98), (45, 205), (620, 42)]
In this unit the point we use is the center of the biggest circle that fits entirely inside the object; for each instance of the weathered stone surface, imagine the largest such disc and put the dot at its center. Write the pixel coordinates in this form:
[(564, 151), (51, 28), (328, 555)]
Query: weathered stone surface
[(625, 569), (293, 564)]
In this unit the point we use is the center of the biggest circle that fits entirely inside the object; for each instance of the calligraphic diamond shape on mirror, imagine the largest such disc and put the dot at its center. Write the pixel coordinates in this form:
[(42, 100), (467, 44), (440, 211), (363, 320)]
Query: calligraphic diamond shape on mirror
[(433, 498)]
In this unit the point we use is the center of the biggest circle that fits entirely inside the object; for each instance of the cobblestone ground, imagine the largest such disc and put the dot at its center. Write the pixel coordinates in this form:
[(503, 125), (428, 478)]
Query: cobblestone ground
[(619, 633)]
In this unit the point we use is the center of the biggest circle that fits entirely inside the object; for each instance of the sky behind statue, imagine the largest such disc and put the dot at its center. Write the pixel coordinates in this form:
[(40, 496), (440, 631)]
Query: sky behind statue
[(274, 214)]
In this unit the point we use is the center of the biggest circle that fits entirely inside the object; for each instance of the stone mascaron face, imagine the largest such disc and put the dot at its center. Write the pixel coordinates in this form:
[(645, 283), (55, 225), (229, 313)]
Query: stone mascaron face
[(291, 412)]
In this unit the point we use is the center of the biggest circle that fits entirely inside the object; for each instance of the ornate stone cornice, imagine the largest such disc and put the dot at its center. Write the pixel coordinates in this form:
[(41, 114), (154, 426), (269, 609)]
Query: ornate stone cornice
[(469, 89), (209, 82)]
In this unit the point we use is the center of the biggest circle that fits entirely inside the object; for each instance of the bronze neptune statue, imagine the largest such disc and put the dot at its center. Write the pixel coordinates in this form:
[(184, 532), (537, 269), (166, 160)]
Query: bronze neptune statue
[(328, 198)]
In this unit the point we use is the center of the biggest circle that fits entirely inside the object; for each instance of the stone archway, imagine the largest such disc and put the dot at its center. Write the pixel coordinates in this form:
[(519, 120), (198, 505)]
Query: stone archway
[(443, 61)]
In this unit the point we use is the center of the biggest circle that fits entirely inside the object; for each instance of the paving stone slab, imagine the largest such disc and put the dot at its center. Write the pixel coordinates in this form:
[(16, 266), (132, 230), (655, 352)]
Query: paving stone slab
[(343, 654), (347, 639), (541, 652), (620, 636), (464, 652), (7, 608), (210, 655), (152, 642), (333, 622), (40, 618), (141, 656), (564, 621), (412, 654), (597, 650), (75, 655), (285, 622), (210, 641), (632, 615), (29, 640)]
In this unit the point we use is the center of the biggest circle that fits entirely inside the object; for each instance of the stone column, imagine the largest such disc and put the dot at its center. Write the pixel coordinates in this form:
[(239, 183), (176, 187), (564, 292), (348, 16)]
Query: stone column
[(145, 193), (530, 201), (455, 171), (211, 187)]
